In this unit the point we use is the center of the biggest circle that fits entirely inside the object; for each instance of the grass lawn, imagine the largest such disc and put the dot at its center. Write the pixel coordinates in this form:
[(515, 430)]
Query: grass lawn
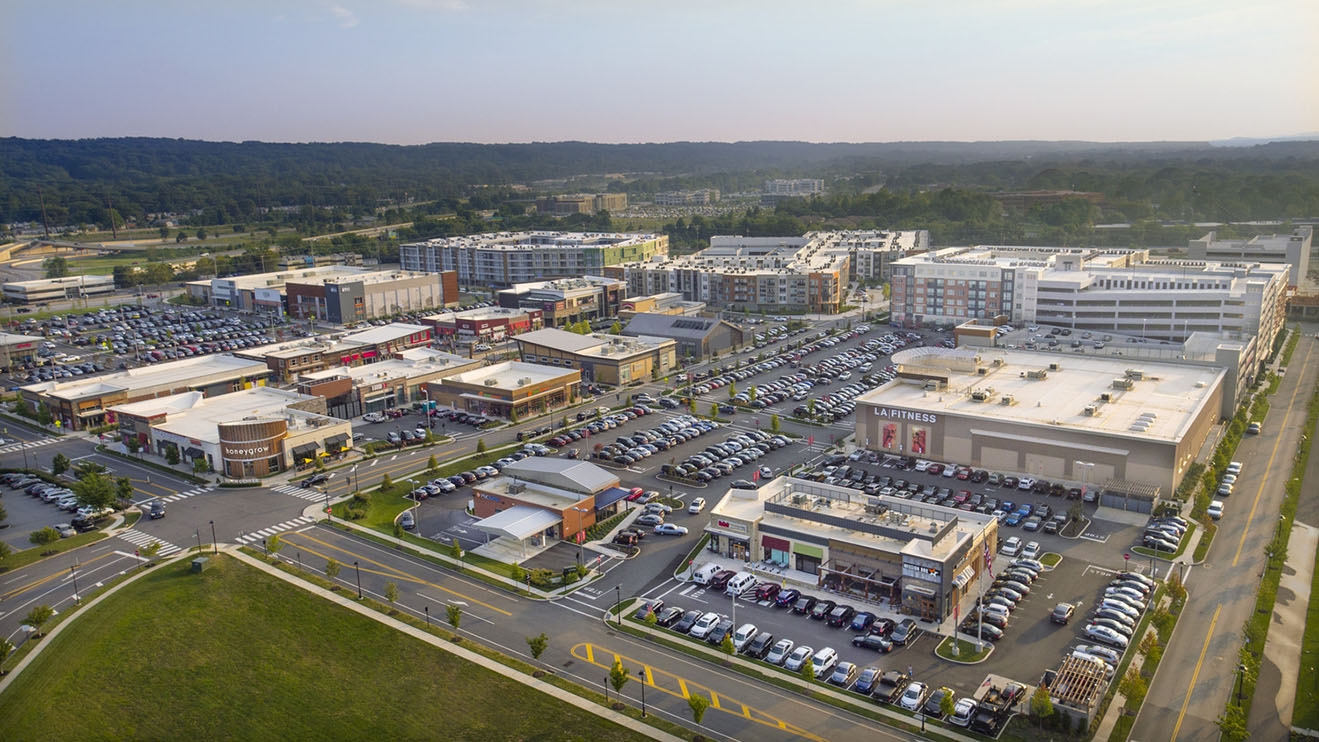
[(37, 553), (1307, 683), (1050, 559), (967, 649), (234, 653)]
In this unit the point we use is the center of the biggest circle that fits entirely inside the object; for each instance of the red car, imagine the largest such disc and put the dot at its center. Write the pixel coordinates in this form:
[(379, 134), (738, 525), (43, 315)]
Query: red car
[(767, 591), (634, 494), (963, 474)]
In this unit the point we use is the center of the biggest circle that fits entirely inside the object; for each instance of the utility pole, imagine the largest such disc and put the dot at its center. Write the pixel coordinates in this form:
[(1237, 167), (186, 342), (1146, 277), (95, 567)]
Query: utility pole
[(45, 222), (109, 213)]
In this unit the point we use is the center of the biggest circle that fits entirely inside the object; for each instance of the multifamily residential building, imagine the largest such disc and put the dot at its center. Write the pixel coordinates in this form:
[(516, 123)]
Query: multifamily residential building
[(507, 258), (1292, 249)]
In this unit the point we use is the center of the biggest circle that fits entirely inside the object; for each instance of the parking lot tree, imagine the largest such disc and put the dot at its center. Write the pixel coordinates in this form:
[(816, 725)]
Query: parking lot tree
[(37, 617), (44, 536), (1133, 686), (391, 592), (650, 620), (732, 389), (95, 490), (698, 704), (5, 551), (537, 644), (774, 423), (751, 394), (332, 568), (1041, 706), (947, 705), (618, 676), (59, 464), (480, 445), (456, 549), (726, 646), (432, 463), (807, 672), (430, 438), (810, 405), (455, 615)]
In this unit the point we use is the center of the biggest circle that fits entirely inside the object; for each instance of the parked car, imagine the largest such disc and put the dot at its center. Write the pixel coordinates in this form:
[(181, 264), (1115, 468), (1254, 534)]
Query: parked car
[(906, 632), (1062, 613), (779, 653)]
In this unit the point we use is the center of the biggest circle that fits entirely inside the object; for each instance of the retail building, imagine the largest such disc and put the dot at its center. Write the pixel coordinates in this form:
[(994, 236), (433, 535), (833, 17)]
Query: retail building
[(350, 391), (290, 359), (483, 325), (608, 359), (537, 499), (56, 289), (921, 559), (697, 338), (509, 389), (339, 294), (666, 303)]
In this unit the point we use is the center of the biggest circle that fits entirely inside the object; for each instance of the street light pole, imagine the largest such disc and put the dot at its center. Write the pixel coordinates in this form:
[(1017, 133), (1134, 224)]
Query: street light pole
[(359, 580), (643, 693), (198, 533), (215, 543), (618, 603), (73, 571)]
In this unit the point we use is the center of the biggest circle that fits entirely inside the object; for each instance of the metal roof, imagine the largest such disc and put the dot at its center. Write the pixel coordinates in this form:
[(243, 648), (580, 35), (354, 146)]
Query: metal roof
[(519, 522), (565, 474)]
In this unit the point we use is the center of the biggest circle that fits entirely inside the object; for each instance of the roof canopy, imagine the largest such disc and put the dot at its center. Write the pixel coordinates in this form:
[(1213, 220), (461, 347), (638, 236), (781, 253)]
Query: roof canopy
[(519, 522)]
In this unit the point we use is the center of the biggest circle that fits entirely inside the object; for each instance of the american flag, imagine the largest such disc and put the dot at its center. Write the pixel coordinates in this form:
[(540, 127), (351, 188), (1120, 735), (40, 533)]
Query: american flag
[(989, 561)]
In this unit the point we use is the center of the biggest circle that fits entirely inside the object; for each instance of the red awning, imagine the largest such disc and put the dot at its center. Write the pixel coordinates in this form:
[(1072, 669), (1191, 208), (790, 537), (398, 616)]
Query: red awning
[(777, 544)]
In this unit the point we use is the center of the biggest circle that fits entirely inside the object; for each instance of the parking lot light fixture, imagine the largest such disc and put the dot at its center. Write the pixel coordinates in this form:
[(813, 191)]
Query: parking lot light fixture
[(618, 603), (359, 580), (215, 543)]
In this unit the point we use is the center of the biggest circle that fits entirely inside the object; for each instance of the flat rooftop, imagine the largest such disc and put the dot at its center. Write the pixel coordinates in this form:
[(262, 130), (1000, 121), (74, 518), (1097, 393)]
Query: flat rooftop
[(478, 314), (384, 333), (596, 344), (511, 375), (1147, 400), (276, 279), (367, 276), (196, 370), (393, 368), (531, 240), (194, 416)]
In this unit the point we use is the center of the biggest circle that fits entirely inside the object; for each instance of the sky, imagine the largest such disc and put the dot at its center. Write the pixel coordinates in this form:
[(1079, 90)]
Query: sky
[(415, 71)]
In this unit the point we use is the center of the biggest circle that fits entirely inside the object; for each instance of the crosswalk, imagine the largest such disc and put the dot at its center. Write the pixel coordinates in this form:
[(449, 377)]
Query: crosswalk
[(301, 493), (142, 540), (21, 445), (186, 494), (256, 536)]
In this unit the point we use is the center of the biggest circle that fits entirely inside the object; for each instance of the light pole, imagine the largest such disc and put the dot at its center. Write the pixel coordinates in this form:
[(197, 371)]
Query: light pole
[(73, 571), (618, 603), (1241, 674), (198, 533), (428, 616), (359, 580), (643, 693), (215, 543)]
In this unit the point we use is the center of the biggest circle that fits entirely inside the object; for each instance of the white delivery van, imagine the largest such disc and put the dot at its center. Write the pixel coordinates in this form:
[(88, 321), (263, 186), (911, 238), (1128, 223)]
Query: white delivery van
[(704, 572), (741, 582)]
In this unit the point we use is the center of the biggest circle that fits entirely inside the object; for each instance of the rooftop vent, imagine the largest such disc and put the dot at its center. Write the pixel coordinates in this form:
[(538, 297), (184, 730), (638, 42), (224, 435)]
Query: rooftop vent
[(1055, 367), (1007, 399), (1091, 410), (1106, 397), (1123, 384), (490, 382), (1135, 373), (1038, 374)]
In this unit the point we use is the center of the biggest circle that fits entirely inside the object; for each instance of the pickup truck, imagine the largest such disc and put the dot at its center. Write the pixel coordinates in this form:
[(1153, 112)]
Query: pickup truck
[(993, 710), (891, 686)]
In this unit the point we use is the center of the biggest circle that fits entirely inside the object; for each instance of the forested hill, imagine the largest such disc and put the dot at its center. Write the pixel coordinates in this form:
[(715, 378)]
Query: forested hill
[(141, 175)]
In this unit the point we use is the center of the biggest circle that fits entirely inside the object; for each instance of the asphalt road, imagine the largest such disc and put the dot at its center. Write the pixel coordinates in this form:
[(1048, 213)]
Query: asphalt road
[(1197, 674)]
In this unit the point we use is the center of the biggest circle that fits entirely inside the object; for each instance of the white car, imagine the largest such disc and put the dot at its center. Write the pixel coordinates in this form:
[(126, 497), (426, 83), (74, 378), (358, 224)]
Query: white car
[(668, 529), (1025, 483), (1011, 547), (1032, 550), (800, 656), (766, 472), (704, 625), (373, 417), (744, 635), (823, 661), (696, 506), (914, 696), (1215, 509), (963, 711)]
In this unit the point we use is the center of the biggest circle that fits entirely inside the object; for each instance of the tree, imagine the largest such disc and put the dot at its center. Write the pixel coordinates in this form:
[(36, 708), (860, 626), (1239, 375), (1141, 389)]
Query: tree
[(650, 620), (180, 237), (751, 394), (391, 592), (726, 646), (55, 267), (332, 568), (44, 537), (133, 444), (95, 491), (618, 676), (456, 549), (123, 488), (43, 414), (201, 233), (1232, 724), (774, 423), (732, 389), (432, 464), (810, 406), (150, 551), (274, 544), (5, 551), (1133, 686), (171, 455), (616, 328), (59, 464), (537, 645), (947, 705), (201, 466), (6, 648), (37, 617), (807, 672), (1041, 706), (455, 615), (430, 441), (698, 704), (516, 573), (714, 408), (480, 445), (164, 232), (386, 482)]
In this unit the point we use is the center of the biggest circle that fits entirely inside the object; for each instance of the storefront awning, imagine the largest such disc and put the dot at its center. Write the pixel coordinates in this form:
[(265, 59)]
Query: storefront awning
[(193, 453), (609, 497), (305, 451), (335, 442), (964, 577), (519, 522)]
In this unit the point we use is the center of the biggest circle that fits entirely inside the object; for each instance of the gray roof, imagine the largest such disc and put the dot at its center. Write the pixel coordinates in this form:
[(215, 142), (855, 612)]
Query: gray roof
[(674, 326), (566, 474), (559, 339)]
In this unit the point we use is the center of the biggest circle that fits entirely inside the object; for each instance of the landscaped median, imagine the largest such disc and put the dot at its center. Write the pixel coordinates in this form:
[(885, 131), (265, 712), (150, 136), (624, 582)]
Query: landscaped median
[(819, 690), (967, 651), (1165, 555)]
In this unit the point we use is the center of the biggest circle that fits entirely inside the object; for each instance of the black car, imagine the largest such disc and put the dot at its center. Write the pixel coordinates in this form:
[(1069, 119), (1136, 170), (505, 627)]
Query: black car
[(687, 621), (934, 704), (668, 616), (722, 629), (157, 509), (804, 604), (787, 597), (906, 632), (883, 626), (841, 615), (759, 645), (82, 524), (873, 641), (822, 609), (651, 606)]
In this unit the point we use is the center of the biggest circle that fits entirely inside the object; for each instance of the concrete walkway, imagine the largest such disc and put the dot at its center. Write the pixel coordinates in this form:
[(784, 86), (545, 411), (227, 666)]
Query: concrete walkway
[(1275, 691), (461, 651)]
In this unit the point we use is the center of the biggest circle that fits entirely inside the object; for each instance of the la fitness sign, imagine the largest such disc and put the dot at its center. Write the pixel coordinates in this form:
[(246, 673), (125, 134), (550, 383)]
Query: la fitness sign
[(919, 417)]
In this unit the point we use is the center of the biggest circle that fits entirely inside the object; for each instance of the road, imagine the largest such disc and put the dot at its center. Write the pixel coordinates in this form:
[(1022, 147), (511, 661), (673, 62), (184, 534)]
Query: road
[(1197, 674)]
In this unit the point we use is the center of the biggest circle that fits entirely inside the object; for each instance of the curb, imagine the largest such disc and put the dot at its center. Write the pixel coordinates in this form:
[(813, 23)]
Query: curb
[(988, 654)]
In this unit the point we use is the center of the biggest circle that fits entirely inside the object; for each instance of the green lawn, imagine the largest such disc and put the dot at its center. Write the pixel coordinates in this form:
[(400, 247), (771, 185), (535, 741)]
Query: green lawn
[(966, 648), (1307, 683), (236, 654)]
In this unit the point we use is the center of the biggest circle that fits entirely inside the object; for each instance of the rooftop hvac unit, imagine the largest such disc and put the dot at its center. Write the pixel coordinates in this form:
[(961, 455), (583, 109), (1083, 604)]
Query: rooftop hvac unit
[(1123, 384), (934, 527), (1106, 397), (1091, 410), (997, 361), (1055, 367), (1039, 374), (982, 370), (1007, 399), (931, 385), (1135, 373), (490, 382), (1149, 413)]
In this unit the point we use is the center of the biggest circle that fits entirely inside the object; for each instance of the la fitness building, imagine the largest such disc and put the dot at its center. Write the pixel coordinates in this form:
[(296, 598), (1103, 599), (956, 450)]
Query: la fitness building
[(1045, 415)]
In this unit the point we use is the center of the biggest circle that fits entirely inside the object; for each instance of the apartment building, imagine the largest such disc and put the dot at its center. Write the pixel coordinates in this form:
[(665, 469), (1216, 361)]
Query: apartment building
[(794, 187), (294, 262), (1123, 291), (508, 258), (1292, 249), (566, 301), (582, 203), (872, 251), (703, 197)]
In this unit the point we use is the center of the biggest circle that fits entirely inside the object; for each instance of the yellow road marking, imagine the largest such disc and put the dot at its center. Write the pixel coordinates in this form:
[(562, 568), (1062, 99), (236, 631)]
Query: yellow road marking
[(39, 582), (1196, 674), (1290, 404), (663, 680), (390, 571)]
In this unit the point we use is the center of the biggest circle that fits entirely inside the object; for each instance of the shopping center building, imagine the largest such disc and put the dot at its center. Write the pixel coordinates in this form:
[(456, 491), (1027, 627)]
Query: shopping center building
[(508, 389), (918, 558)]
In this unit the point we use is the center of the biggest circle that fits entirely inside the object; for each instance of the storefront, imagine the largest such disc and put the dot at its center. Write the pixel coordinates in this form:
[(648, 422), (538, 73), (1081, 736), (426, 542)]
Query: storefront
[(731, 539)]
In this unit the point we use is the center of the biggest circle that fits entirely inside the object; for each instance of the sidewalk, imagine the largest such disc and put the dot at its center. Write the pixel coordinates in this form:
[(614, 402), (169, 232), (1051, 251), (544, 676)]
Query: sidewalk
[(1271, 710)]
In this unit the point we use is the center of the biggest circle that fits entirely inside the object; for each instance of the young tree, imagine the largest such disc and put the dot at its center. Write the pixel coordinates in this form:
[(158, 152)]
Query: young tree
[(332, 568), (480, 445), (1041, 706), (774, 423), (698, 704), (164, 232), (714, 408), (430, 441), (43, 414), (732, 389), (171, 455), (133, 445), (1133, 686), (618, 676), (947, 705), (386, 482), (432, 464), (1232, 724), (37, 617), (44, 537), (123, 488), (391, 592), (455, 615), (59, 464), (200, 466), (5, 551), (6, 648), (150, 551), (807, 672), (516, 573), (274, 544), (650, 620), (751, 394), (537, 644), (616, 328), (726, 646)]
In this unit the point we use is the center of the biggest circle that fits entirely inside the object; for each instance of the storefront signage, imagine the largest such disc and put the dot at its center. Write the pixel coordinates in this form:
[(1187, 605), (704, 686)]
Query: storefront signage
[(740, 528), (892, 414), (919, 572)]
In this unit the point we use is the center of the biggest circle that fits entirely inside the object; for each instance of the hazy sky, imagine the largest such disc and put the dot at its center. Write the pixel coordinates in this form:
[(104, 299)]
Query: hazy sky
[(410, 71)]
